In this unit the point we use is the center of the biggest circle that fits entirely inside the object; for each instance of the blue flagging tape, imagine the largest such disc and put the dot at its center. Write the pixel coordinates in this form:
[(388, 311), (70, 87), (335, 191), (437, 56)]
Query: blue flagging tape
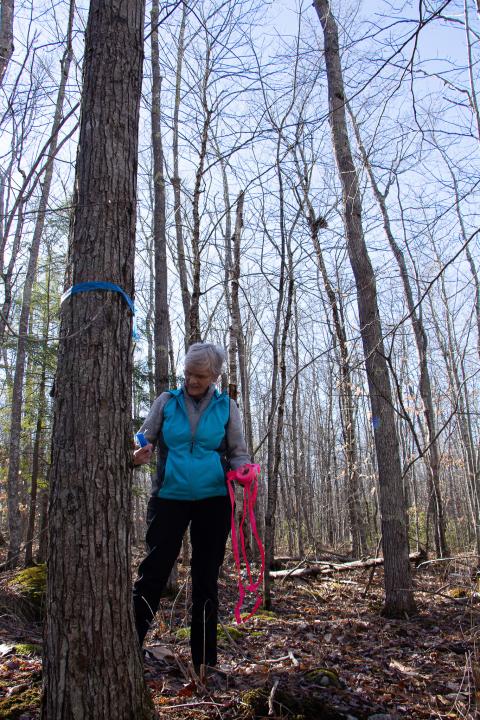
[(101, 285)]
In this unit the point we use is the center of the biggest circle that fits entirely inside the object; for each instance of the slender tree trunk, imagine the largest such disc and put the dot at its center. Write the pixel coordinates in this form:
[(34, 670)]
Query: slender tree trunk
[(277, 402), (451, 356), (41, 556), (399, 599), (159, 224), (149, 322), (237, 323), (37, 444), (357, 526), (7, 274), (6, 35), (17, 393), (235, 320), (194, 321), (92, 661), (433, 466), (176, 182), (35, 471), (296, 432)]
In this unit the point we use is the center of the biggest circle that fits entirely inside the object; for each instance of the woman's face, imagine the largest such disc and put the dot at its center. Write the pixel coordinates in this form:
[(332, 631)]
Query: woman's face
[(198, 379)]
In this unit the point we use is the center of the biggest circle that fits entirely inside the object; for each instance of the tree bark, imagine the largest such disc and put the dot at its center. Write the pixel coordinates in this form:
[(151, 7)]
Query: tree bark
[(93, 666), (399, 600)]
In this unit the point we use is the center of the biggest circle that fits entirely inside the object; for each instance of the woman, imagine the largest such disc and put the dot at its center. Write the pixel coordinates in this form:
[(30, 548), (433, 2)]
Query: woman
[(199, 436)]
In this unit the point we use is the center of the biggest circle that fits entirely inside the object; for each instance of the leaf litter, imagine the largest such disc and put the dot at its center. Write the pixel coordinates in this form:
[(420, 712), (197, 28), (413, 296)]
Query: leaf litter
[(323, 653)]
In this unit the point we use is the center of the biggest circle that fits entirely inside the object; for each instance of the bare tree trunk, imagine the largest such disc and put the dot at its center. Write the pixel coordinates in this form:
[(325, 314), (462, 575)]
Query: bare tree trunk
[(451, 356), (41, 556), (194, 321), (175, 180), (7, 274), (159, 230), (277, 401), (237, 324), (357, 526), (35, 473), (38, 432), (92, 661), (6, 35), (296, 432), (433, 466), (235, 320), (231, 376), (17, 392), (399, 599)]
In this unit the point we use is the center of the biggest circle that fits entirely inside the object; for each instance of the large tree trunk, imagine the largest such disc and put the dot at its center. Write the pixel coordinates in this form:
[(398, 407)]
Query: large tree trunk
[(17, 392), (92, 661), (399, 598)]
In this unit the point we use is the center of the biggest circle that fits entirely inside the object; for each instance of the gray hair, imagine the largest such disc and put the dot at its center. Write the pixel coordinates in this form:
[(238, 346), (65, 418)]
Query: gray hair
[(206, 354)]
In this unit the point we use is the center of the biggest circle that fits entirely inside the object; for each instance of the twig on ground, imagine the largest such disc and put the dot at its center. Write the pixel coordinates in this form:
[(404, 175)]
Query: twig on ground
[(271, 711), (293, 658)]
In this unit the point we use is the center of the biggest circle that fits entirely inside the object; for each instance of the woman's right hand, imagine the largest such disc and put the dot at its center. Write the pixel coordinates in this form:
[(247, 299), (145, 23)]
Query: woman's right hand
[(143, 455)]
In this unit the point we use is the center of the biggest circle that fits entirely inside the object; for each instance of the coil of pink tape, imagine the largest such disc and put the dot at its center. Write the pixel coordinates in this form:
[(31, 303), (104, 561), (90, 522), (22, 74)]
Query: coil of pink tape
[(247, 476)]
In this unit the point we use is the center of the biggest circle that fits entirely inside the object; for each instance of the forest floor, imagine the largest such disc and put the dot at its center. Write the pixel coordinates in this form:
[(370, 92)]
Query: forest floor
[(323, 653)]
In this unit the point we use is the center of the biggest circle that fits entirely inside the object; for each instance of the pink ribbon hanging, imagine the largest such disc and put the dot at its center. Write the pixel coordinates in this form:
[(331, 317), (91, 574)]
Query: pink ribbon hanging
[(247, 476)]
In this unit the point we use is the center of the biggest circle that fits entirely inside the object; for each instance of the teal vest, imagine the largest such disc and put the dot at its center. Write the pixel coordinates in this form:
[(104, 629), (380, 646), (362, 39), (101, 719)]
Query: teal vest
[(193, 468)]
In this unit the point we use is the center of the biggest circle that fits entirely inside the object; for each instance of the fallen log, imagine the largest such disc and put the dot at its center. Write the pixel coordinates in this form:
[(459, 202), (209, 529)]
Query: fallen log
[(415, 557)]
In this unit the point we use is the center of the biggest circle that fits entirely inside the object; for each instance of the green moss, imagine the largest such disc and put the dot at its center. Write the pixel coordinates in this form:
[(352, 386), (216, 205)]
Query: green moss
[(32, 583), (458, 592), (26, 649), (19, 704), (254, 703), (323, 676), (232, 631), (183, 633), (222, 632), (266, 615)]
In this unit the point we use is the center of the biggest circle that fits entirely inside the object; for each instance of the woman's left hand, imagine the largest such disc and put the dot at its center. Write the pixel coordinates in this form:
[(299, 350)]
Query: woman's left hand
[(143, 455)]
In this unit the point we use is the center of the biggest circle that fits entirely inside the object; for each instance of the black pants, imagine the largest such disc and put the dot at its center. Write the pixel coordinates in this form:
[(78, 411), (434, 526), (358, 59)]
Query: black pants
[(209, 521)]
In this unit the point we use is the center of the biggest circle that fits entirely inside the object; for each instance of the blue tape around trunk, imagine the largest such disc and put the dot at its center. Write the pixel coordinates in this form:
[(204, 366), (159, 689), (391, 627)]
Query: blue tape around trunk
[(101, 285)]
